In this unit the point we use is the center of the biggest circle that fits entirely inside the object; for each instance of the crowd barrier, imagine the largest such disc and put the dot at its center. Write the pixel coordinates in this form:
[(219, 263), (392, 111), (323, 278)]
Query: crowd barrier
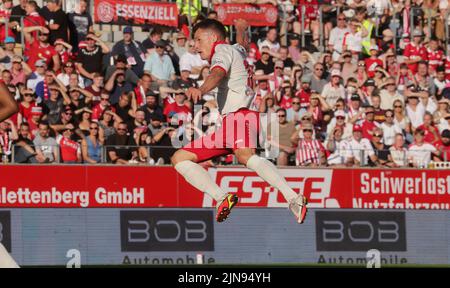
[(82, 186)]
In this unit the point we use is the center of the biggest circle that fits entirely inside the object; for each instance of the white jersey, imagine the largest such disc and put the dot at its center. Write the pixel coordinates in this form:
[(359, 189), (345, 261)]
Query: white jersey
[(233, 92)]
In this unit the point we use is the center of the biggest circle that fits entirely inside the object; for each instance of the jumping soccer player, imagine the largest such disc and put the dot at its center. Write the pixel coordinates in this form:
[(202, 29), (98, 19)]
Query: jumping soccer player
[(8, 106), (240, 126)]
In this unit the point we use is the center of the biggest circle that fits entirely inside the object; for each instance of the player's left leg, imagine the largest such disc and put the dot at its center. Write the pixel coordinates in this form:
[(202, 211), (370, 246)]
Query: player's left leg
[(268, 172)]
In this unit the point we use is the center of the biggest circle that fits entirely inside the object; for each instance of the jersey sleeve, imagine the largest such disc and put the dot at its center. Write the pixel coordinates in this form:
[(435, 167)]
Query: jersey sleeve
[(222, 58)]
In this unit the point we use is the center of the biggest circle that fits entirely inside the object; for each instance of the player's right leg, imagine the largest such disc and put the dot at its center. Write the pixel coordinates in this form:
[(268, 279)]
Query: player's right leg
[(185, 162), (6, 261)]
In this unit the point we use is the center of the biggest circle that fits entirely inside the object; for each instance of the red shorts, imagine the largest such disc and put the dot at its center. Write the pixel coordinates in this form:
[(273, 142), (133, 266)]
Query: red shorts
[(239, 129)]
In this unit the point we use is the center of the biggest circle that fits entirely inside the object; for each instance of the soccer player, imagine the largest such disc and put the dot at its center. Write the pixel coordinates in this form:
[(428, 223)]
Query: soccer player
[(229, 75), (7, 108)]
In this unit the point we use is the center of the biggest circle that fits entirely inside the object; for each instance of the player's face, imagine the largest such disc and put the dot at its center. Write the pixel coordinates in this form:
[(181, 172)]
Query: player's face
[(204, 41)]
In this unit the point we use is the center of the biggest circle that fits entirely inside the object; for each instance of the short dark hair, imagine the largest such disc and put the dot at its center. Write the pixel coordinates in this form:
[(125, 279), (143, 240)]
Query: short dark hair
[(156, 31), (211, 24), (44, 123)]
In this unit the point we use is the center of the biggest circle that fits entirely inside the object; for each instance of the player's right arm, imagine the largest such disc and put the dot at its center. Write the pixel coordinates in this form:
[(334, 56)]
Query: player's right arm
[(211, 82), (8, 106)]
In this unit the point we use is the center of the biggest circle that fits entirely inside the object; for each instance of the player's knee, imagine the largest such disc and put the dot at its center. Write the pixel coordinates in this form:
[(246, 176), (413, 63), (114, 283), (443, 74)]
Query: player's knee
[(243, 156), (181, 156)]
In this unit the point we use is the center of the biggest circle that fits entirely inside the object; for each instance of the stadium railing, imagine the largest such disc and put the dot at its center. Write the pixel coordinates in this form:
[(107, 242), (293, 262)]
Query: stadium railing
[(402, 159)]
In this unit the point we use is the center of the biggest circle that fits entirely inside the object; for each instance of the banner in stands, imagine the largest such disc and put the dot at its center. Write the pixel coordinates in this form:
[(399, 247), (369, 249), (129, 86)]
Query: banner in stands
[(135, 13), (137, 187), (190, 236), (256, 15)]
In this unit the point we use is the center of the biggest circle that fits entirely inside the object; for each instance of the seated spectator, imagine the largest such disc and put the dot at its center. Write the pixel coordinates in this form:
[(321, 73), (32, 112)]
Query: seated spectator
[(359, 146), (20, 71), (389, 94), (69, 69), (117, 86), (126, 107), (179, 107), (381, 150), (133, 50), (161, 148), (443, 108), (421, 153), (121, 147), (333, 90), (431, 132), (55, 103), (69, 150), (282, 139), (121, 64), (8, 134), (414, 109), (294, 113), (339, 122), (90, 57), (91, 146), (444, 124), (310, 152), (184, 81), (399, 152), (191, 61), (26, 105), (337, 147), (46, 146), (160, 66), (444, 147), (108, 123), (24, 151), (38, 75), (389, 128), (104, 104), (368, 124), (142, 89)]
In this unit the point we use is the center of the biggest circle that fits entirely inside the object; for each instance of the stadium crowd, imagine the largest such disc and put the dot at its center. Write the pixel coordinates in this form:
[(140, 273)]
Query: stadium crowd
[(369, 87)]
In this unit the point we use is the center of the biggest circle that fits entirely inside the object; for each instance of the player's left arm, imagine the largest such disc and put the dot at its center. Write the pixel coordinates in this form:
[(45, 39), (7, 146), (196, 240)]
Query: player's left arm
[(8, 106)]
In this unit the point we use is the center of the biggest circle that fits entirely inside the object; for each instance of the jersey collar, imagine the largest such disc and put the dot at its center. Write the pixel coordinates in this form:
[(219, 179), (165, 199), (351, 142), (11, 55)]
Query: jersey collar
[(213, 50)]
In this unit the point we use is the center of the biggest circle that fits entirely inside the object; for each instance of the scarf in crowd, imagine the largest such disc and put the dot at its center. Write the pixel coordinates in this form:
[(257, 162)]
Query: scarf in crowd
[(46, 93), (5, 143)]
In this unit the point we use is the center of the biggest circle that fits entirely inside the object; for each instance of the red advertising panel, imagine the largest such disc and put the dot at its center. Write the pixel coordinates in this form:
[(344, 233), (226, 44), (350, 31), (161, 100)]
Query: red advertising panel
[(136, 187), (256, 15), (133, 12)]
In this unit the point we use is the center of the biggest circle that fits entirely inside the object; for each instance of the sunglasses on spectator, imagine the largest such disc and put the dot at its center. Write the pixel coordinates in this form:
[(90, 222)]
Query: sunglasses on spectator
[(307, 130), (40, 66), (281, 115), (361, 65), (306, 119), (340, 117), (389, 116), (106, 99), (28, 95), (278, 67), (319, 69), (68, 113), (93, 128), (398, 106), (342, 19), (44, 34), (160, 47), (295, 103), (378, 135), (121, 129), (370, 112)]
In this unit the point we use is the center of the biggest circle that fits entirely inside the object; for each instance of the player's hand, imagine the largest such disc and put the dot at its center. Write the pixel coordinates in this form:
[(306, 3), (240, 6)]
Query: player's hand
[(241, 24), (194, 94)]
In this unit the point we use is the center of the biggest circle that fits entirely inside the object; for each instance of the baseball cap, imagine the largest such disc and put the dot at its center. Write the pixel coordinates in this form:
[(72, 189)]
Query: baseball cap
[(335, 73), (36, 110), (185, 68), (374, 47), (295, 36), (128, 29), (67, 108), (445, 133), (369, 82), (10, 39), (355, 97), (40, 62), (151, 93), (339, 113), (357, 128)]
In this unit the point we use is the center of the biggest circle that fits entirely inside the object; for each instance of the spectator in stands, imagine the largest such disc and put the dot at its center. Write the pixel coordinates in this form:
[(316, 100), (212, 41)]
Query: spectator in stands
[(108, 123), (179, 107), (91, 147), (58, 23), (431, 132), (90, 57), (24, 151), (337, 147), (282, 139), (381, 150), (20, 71), (117, 85), (414, 108), (180, 44), (271, 40), (40, 48), (191, 61), (133, 50), (398, 151), (80, 24), (154, 36), (421, 153), (46, 146), (389, 94), (54, 105), (310, 152), (121, 146), (359, 146), (121, 64), (444, 147), (160, 66), (102, 106), (70, 150)]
